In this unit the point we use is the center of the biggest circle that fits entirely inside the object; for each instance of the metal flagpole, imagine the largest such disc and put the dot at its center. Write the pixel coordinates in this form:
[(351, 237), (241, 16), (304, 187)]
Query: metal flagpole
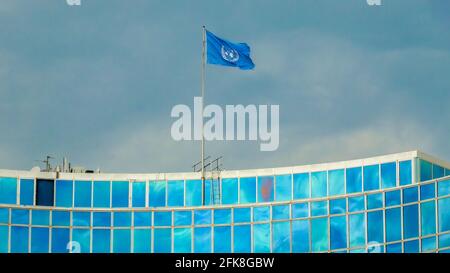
[(203, 101)]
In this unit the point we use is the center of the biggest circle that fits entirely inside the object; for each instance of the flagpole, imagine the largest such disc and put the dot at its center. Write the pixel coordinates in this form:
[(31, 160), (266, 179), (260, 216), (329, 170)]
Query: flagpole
[(203, 101)]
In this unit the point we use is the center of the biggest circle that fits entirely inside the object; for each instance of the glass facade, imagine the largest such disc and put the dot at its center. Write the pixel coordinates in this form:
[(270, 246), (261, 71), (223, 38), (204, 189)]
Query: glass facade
[(398, 205)]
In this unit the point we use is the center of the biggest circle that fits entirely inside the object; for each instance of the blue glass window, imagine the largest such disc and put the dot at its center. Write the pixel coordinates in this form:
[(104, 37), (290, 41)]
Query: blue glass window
[(411, 246), (83, 190), (81, 219), (338, 206), (242, 215), (27, 192), (182, 240), (102, 194), (209, 190), (19, 239), (337, 182), (222, 239), (40, 218), (410, 195), (428, 218), (60, 239), (222, 216), (193, 193), (375, 201), (157, 194), (319, 234), (429, 244), (357, 230), (142, 219), (354, 179), (142, 240), (281, 237), (39, 240), (356, 203), (102, 219), (392, 198), (202, 240), (182, 218), (300, 236), (388, 175), (300, 210), (371, 177), (393, 225), (444, 240), (247, 190), (427, 191), (301, 186), (120, 194), (444, 188), (101, 240), (64, 193), (122, 241), (138, 194), (122, 219), (8, 188), (265, 189), (280, 212), (83, 237), (44, 192), (394, 248), (242, 243), (283, 185), (410, 221), (338, 232), (61, 218), (202, 217), (261, 238), (4, 216), (162, 240), (405, 172), (444, 215), (162, 218), (375, 227), (229, 191), (319, 184), (4, 239), (319, 208), (425, 170), (175, 190), (438, 171), (20, 216), (261, 214)]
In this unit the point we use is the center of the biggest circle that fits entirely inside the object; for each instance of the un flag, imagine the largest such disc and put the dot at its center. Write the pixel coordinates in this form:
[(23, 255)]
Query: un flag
[(223, 52)]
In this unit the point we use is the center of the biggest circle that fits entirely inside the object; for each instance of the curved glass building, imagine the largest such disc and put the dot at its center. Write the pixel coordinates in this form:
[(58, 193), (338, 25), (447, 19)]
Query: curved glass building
[(392, 203)]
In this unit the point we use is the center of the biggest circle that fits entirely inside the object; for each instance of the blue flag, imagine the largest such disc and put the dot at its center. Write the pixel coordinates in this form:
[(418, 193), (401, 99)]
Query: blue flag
[(223, 52)]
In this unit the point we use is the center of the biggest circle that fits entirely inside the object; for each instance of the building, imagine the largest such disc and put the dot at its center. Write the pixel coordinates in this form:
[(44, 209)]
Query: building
[(392, 203)]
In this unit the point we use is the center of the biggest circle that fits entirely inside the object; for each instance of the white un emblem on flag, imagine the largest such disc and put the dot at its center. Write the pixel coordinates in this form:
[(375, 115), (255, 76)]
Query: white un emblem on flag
[(229, 54)]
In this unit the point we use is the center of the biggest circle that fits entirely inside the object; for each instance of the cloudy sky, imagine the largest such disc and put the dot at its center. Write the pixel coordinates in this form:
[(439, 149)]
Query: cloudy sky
[(97, 82)]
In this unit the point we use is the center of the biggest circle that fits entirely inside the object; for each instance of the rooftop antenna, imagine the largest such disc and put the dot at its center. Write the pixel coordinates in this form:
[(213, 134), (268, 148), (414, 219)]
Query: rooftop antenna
[(47, 163)]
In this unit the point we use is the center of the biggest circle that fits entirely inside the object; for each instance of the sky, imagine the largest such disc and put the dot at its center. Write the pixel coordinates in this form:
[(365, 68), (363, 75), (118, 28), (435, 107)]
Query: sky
[(97, 82)]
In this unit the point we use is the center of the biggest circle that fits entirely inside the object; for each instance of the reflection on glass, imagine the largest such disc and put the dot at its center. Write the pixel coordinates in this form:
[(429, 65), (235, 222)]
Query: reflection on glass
[(19, 239), (281, 237), (202, 237), (242, 242), (157, 193), (371, 177), (202, 217), (247, 190), (425, 170), (388, 175), (319, 184), (300, 236), (60, 239), (101, 240), (265, 189), (39, 240), (354, 179), (301, 186), (338, 232), (393, 225), (261, 214), (375, 226), (410, 221), (222, 216), (357, 230), (405, 172), (8, 188), (300, 210), (283, 187), (182, 240), (175, 191), (444, 215), (193, 193), (280, 212), (120, 194), (27, 192), (428, 219), (142, 240), (83, 237), (162, 240), (222, 239), (319, 234), (261, 238), (375, 201), (242, 215), (83, 194), (229, 191), (102, 194), (64, 193), (138, 194), (337, 182)]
